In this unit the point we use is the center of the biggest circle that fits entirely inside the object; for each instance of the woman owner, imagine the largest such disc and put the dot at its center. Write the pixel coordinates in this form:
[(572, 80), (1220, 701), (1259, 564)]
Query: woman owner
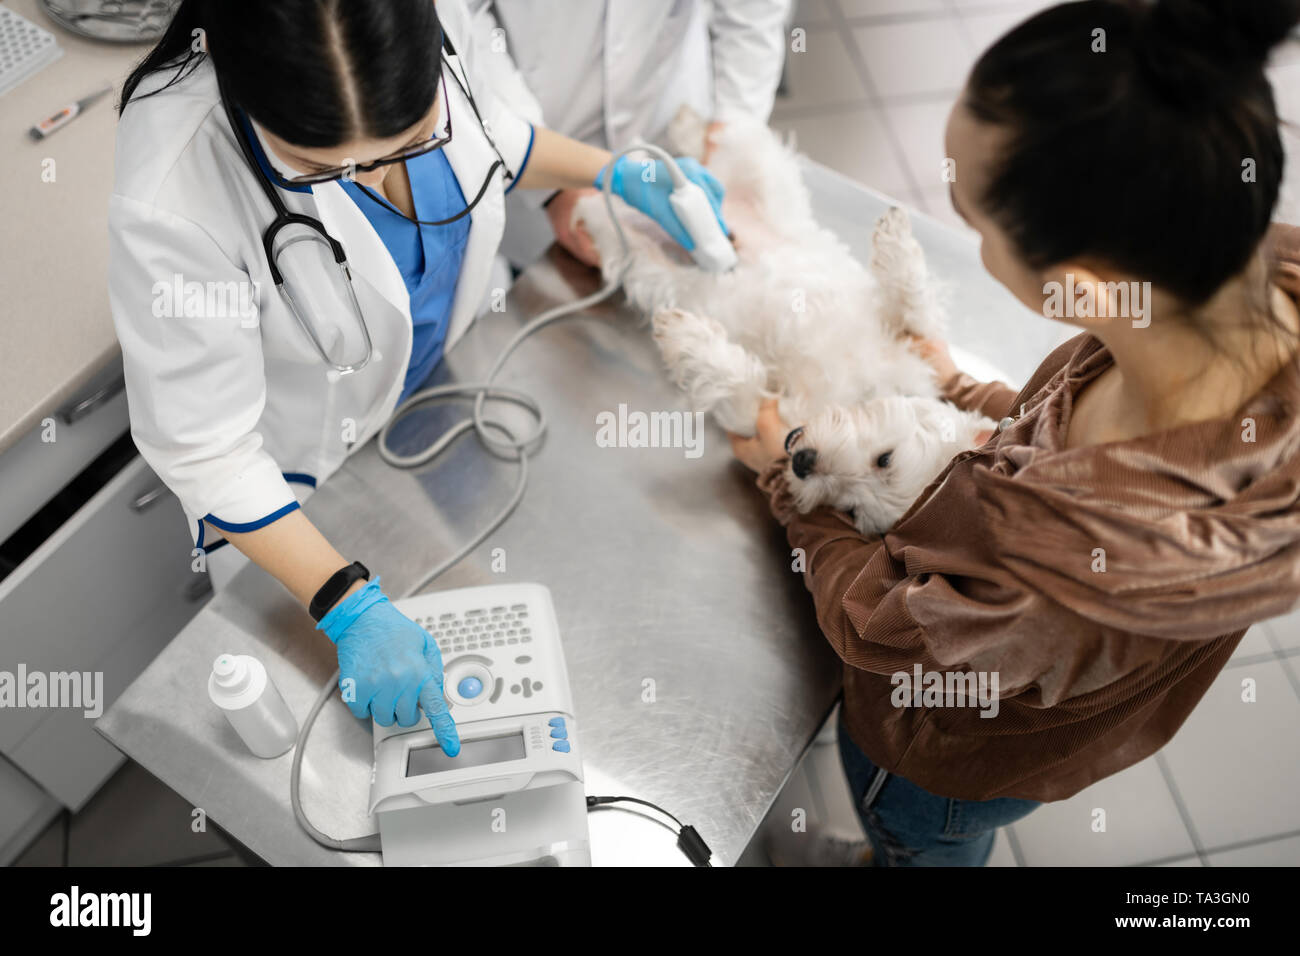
[(308, 201), (1139, 508)]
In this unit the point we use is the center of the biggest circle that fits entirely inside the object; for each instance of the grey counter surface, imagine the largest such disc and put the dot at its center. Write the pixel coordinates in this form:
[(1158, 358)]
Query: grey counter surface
[(57, 332), (663, 568)]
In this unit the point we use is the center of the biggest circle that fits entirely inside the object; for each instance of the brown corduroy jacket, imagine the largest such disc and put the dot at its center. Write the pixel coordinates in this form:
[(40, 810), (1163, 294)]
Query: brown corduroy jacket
[(1104, 586)]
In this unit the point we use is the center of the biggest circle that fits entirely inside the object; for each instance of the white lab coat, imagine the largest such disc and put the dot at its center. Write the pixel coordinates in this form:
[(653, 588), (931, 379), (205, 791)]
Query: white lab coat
[(241, 419), (610, 72), (722, 57)]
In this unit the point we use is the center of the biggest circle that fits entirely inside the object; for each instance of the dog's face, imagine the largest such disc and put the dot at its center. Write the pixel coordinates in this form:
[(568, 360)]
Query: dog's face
[(874, 459)]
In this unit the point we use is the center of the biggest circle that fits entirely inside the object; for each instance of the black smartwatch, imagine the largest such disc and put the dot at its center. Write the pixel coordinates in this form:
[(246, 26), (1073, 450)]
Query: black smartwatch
[(335, 588)]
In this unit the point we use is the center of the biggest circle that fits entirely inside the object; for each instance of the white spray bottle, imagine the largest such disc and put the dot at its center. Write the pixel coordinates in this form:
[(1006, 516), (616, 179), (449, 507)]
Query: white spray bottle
[(239, 685)]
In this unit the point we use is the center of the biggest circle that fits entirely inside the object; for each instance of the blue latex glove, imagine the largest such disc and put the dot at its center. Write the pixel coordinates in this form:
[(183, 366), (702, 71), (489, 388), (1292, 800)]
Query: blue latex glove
[(390, 663), (634, 182)]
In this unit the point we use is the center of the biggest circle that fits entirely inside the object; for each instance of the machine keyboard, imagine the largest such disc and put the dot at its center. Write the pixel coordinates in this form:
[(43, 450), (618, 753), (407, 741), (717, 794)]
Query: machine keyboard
[(480, 628)]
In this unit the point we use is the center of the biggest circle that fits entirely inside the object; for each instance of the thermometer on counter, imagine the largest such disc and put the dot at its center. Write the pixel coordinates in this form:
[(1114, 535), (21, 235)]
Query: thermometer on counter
[(66, 115)]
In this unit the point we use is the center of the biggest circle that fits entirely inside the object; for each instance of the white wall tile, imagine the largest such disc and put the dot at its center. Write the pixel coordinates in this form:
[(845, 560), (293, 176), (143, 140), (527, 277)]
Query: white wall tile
[(1285, 77), (985, 6), (937, 203), (985, 27), (853, 143), (875, 8), (920, 128), (809, 12), (929, 56), (822, 75)]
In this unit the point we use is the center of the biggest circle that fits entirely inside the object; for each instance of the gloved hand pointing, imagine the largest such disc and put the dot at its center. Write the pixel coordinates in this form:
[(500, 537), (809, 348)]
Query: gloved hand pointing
[(645, 185), (388, 664)]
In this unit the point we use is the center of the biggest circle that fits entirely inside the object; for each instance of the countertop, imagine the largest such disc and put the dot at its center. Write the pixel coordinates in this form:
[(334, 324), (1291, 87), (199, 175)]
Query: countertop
[(57, 331)]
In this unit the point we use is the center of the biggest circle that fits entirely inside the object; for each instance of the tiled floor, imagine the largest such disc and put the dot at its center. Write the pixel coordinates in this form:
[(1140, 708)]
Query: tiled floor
[(1222, 792), (871, 98), (134, 821)]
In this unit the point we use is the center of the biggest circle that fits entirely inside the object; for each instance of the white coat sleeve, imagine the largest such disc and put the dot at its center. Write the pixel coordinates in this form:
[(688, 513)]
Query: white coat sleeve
[(195, 380), (747, 40)]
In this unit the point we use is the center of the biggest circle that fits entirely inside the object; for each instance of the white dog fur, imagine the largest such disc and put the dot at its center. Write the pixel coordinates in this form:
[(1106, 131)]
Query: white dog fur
[(798, 319)]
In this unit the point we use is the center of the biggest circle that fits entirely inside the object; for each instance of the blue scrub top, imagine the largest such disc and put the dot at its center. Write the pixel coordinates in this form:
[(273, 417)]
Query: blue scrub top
[(428, 257)]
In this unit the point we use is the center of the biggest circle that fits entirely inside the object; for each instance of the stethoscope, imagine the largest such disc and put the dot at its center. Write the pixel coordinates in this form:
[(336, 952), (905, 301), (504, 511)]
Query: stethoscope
[(316, 231)]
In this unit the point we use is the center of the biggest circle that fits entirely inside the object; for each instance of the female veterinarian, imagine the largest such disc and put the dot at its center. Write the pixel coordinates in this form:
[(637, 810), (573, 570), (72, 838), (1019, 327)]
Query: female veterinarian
[(280, 154), (1139, 508)]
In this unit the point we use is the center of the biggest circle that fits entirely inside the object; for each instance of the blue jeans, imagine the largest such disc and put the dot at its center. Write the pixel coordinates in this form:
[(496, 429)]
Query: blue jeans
[(908, 826)]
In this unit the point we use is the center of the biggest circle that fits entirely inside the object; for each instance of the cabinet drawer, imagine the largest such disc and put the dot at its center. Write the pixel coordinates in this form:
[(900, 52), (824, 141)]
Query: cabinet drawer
[(33, 469), (103, 594)]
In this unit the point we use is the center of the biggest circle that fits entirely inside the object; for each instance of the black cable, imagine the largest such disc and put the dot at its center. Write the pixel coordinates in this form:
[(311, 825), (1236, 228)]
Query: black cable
[(689, 840)]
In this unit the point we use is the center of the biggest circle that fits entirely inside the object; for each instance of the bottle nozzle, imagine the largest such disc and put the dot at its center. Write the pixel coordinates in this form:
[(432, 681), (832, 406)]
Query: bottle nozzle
[(231, 672)]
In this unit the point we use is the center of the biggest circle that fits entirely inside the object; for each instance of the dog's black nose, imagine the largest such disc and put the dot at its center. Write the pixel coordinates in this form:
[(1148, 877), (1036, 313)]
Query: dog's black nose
[(803, 462)]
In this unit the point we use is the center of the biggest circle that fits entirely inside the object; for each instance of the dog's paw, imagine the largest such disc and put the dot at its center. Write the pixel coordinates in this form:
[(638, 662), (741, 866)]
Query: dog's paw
[(898, 264), (716, 373), (680, 333), (894, 224), (896, 256)]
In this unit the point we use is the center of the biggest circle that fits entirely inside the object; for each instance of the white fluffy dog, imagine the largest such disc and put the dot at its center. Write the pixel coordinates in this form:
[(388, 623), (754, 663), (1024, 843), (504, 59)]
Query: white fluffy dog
[(798, 319)]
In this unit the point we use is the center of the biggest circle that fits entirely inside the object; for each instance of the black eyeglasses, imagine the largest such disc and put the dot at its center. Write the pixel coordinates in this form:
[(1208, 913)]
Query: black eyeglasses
[(401, 156)]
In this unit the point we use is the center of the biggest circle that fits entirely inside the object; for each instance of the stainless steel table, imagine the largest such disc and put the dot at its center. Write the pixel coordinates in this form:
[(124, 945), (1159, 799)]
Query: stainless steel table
[(664, 569)]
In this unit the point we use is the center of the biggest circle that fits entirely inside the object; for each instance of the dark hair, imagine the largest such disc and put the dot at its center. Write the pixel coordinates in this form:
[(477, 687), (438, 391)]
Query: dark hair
[(1145, 143), (313, 72)]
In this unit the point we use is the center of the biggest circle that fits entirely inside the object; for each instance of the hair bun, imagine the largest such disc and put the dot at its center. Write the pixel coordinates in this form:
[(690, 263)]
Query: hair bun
[(1230, 33)]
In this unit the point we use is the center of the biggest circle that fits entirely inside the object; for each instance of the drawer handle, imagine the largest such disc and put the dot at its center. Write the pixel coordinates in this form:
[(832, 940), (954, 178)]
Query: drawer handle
[(80, 409), (149, 499)]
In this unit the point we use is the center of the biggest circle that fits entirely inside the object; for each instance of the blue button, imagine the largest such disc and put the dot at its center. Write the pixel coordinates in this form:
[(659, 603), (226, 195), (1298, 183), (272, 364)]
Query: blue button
[(559, 733), (556, 721), (469, 687), (561, 745)]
